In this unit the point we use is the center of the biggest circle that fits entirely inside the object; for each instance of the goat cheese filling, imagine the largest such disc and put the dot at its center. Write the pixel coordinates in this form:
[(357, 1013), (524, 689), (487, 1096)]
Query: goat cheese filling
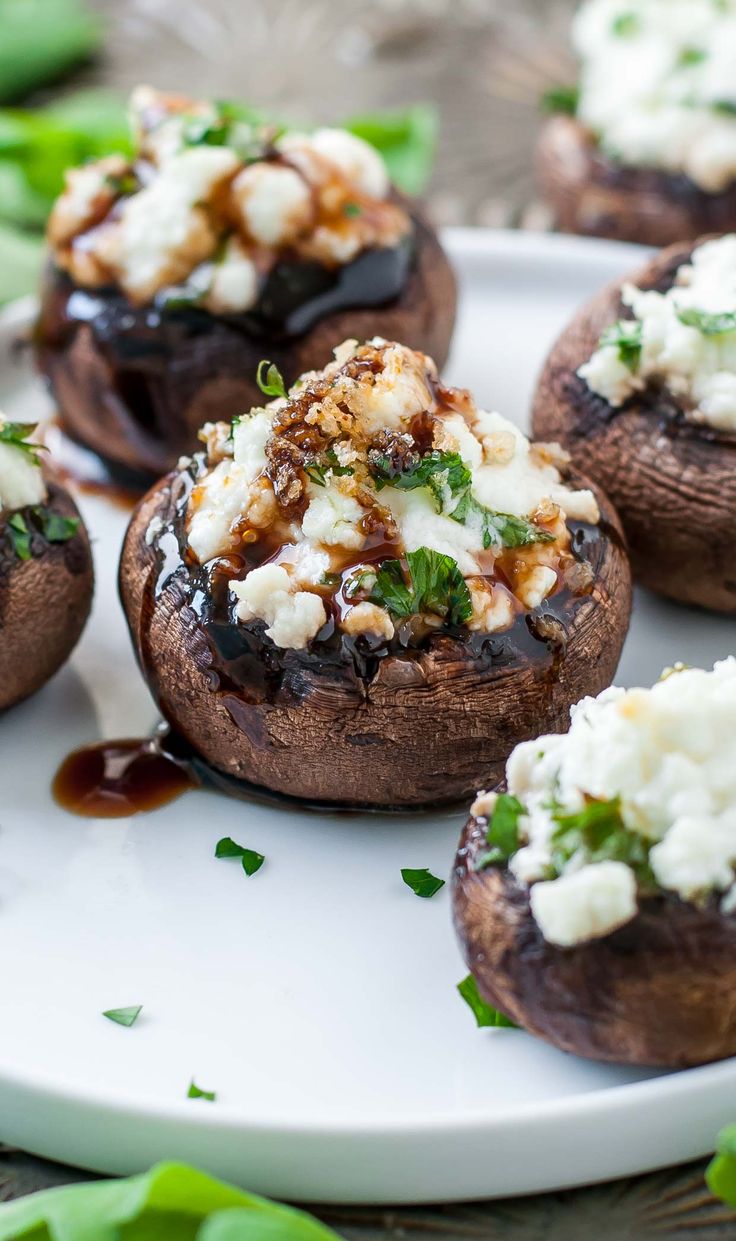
[(657, 86), (213, 200), (683, 340), (372, 494), (638, 796)]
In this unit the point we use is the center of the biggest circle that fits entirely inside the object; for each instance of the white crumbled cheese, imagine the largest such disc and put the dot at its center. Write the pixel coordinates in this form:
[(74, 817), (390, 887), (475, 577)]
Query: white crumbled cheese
[(332, 517), (668, 753), (154, 528), (249, 441), (539, 582), (698, 368), (164, 232), (87, 190), (368, 618), (293, 617), (484, 804), (318, 153), (274, 201), (493, 607), (232, 286), (420, 525), (21, 481), (585, 904), (657, 83)]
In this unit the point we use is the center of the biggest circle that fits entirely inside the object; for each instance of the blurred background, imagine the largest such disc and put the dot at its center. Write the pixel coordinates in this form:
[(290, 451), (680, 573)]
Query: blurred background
[(66, 67)]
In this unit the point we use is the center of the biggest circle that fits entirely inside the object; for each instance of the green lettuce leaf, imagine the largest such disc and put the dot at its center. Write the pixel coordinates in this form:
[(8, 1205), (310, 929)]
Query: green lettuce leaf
[(172, 1202)]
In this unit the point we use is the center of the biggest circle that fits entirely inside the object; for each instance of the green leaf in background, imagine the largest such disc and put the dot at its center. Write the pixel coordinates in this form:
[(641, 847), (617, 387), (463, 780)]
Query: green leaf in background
[(166, 1204), (721, 1171), (21, 256), (40, 40), (485, 1014), (406, 140)]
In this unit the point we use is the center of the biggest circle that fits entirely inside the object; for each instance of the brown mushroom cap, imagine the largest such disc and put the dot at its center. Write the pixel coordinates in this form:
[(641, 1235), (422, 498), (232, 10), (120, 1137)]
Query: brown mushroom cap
[(593, 195), (660, 991), (346, 724), (673, 482), (135, 385), (44, 603)]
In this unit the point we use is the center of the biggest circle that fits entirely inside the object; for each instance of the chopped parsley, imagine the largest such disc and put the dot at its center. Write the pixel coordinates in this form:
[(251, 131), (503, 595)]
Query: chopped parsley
[(433, 583), (51, 526), (449, 480), (599, 833), (352, 209), (273, 384), (17, 434), (194, 1092), (122, 183), (485, 1014), (625, 25), (54, 527), (124, 1016), (626, 336), (708, 324), (502, 835), (251, 861), (692, 56), (563, 99), (422, 882), (318, 470), (20, 536), (725, 106)]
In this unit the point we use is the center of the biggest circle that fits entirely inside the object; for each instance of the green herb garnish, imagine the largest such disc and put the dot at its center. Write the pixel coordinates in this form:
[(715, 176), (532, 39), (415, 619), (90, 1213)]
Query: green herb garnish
[(708, 324), (433, 584), (626, 336), (563, 99), (352, 209), (20, 536), (49, 525), (720, 1174), (124, 1016), (726, 106), (498, 529), (54, 527), (598, 831), (318, 470), (503, 831), (692, 56), (251, 860), (273, 384), (422, 882), (485, 1014), (626, 25), (17, 435), (194, 1092)]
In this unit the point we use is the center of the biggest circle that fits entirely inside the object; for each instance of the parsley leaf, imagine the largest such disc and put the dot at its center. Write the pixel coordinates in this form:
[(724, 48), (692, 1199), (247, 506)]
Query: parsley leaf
[(352, 209), (20, 536), (485, 1014), (124, 1016), (598, 831), (720, 1174), (626, 336), (194, 1092), (54, 527), (251, 860), (708, 324), (563, 99), (318, 470), (692, 56), (498, 529), (503, 831), (273, 384), (435, 585), (626, 25), (422, 882), (17, 433), (725, 106)]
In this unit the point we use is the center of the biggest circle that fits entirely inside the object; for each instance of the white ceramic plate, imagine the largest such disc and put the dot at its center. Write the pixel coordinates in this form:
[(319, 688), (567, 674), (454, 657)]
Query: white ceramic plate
[(318, 997)]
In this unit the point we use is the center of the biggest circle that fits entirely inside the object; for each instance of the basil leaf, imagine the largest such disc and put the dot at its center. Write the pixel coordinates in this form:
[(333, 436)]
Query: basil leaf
[(167, 1203), (626, 336), (251, 860), (194, 1092), (17, 435), (708, 324), (564, 99), (422, 882), (20, 536), (273, 384), (503, 831), (485, 1014), (720, 1174), (124, 1016)]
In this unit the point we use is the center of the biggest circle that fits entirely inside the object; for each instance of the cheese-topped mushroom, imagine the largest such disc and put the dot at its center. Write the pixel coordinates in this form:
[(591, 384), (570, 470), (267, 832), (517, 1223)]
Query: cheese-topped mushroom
[(370, 483)]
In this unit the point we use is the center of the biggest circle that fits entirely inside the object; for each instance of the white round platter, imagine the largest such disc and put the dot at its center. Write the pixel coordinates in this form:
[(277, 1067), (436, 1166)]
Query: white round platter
[(317, 998)]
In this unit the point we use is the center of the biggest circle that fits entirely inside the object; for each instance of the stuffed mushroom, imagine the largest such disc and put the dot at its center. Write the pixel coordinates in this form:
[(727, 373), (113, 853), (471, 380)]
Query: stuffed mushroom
[(641, 388), (647, 151), (46, 577), (595, 898), (368, 590), (222, 241)]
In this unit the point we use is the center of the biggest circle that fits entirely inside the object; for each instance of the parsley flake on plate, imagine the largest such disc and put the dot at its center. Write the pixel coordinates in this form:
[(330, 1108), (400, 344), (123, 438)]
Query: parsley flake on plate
[(124, 1016), (422, 882), (194, 1092), (485, 1014), (251, 861)]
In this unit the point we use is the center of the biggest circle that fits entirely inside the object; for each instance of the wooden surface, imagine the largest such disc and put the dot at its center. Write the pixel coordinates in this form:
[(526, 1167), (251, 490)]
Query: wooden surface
[(484, 63)]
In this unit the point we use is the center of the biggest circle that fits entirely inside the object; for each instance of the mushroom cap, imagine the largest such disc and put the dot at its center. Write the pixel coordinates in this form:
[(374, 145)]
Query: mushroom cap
[(673, 482), (344, 723), (660, 991), (135, 384), (593, 195), (44, 605)]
